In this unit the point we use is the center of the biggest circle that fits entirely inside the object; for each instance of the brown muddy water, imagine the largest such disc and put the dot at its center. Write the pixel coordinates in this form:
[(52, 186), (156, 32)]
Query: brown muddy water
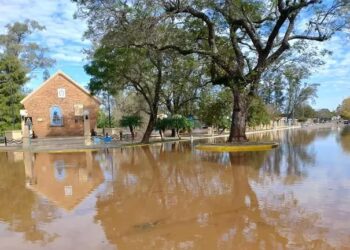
[(171, 196)]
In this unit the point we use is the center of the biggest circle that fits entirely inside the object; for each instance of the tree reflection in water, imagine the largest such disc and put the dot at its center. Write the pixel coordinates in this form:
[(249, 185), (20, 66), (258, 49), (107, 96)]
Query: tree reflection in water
[(165, 197), (171, 196), (294, 154), (344, 139), (20, 208)]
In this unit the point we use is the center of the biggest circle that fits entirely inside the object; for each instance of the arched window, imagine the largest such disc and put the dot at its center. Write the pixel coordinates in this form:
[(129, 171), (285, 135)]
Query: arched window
[(60, 173), (56, 118)]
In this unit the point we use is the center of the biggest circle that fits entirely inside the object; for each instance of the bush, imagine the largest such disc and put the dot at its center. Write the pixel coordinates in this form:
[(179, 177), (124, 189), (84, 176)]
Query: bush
[(131, 122), (177, 122)]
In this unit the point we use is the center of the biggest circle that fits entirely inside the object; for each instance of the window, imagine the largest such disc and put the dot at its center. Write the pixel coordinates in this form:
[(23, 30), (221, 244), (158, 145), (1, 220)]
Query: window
[(56, 117), (60, 173), (61, 93), (78, 109)]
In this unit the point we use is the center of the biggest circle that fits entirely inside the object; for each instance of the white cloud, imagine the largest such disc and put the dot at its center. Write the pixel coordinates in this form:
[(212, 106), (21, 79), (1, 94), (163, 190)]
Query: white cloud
[(63, 37), (334, 76), (63, 34)]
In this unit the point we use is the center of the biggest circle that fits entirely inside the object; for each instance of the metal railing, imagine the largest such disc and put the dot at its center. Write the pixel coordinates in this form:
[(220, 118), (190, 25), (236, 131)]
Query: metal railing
[(9, 142)]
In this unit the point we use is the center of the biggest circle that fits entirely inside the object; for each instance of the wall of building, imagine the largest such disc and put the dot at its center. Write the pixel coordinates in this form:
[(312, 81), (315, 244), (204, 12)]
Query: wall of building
[(39, 104)]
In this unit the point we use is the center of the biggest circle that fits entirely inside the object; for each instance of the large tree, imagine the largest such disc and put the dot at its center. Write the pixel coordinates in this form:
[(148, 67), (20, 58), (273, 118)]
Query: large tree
[(16, 42), (344, 109), (298, 93), (213, 109), (138, 69), (12, 79), (19, 57), (241, 39), (184, 79)]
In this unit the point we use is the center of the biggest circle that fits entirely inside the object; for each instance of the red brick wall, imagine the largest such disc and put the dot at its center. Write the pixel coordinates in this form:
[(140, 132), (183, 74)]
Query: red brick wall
[(39, 104)]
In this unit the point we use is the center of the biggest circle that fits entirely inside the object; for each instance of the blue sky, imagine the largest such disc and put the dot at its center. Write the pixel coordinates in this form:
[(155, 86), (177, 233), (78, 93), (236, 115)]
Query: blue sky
[(63, 37), (63, 34)]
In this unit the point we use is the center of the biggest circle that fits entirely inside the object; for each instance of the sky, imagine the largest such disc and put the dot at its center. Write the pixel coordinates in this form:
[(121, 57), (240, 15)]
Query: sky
[(63, 37)]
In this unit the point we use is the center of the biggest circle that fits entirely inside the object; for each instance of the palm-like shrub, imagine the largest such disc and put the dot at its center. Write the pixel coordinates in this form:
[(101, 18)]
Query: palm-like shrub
[(177, 122), (131, 122)]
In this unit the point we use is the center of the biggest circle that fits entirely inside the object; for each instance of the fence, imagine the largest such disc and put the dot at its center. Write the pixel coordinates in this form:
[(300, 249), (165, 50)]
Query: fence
[(4, 141)]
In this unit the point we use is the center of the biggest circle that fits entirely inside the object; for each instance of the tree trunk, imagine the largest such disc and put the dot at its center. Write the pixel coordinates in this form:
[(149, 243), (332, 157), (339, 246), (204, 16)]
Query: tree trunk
[(173, 132), (154, 104), (161, 134), (239, 117), (132, 133), (178, 134), (109, 111), (149, 129)]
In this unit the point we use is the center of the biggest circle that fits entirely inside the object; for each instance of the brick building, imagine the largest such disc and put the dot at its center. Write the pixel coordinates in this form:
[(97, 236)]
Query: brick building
[(58, 107)]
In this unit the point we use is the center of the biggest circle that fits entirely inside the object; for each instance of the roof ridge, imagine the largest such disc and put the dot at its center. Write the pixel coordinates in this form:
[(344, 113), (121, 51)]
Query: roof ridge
[(60, 72)]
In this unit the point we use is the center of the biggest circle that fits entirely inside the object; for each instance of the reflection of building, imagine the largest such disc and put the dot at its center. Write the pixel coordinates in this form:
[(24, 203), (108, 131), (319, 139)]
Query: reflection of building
[(58, 105), (13, 156), (65, 179)]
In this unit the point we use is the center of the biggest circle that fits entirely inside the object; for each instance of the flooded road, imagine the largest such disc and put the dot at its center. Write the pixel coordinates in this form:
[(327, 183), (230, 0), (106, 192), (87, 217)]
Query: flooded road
[(172, 196)]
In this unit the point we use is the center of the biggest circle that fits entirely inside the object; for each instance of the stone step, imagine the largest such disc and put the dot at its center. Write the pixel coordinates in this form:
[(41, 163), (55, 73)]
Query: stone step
[(60, 138), (58, 141)]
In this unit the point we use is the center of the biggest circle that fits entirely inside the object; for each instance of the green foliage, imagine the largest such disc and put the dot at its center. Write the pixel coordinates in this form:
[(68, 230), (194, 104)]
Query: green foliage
[(298, 93), (130, 121), (345, 109), (163, 124), (215, 109), (325, 114), (258, 113), (240, 40), (103, 120), (12, 79), (183, 82), (18, 57), (180, 122), (15, 42), (345, 139), (302, 119), (176, 122), (283, 88), (304, 112)]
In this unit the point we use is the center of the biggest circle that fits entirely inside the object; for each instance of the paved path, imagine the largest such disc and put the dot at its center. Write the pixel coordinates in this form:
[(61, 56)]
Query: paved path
[(73, 144)]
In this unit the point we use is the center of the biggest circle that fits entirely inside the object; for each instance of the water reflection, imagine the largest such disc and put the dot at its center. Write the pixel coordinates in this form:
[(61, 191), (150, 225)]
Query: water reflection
[(344, 139), (21, 210), (171, 196), (65, 179), (194, 203), (291, 159)]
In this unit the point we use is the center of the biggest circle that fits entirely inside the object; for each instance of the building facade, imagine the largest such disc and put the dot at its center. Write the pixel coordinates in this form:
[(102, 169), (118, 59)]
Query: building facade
[(59, 106)]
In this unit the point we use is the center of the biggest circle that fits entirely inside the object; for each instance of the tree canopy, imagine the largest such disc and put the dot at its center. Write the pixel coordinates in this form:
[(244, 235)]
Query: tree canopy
[(12, 79), (240, 40), (15, 42), (345, 109), (19, 57), (131, 122)]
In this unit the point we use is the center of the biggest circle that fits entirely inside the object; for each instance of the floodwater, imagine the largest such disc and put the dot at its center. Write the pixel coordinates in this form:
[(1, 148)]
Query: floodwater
[(171, 196)]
